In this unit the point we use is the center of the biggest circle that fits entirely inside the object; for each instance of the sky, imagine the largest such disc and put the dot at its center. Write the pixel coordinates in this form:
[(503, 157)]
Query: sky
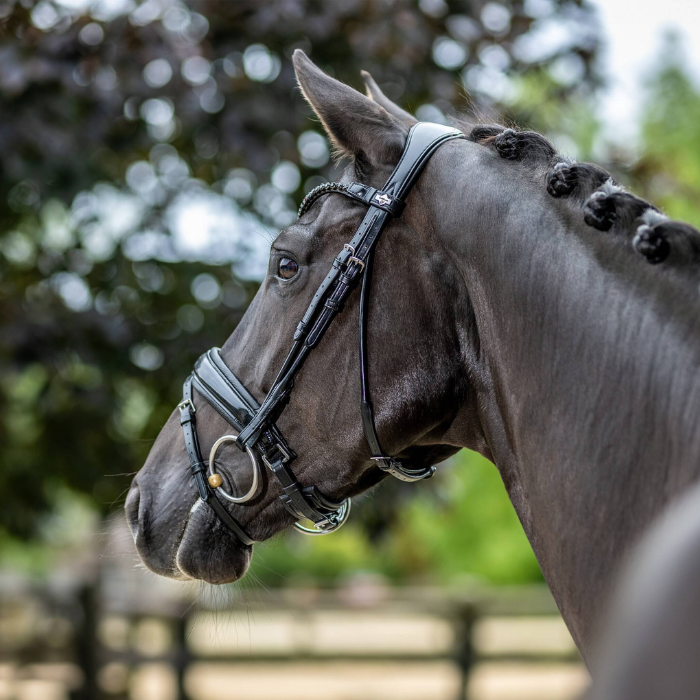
[(633, 32)]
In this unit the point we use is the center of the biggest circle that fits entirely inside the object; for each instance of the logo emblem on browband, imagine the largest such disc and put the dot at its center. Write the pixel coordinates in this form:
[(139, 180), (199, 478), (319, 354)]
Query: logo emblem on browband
[(383, 199)]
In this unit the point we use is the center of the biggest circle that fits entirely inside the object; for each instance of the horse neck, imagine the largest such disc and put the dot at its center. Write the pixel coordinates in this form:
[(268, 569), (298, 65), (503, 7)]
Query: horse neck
[(587, 360)]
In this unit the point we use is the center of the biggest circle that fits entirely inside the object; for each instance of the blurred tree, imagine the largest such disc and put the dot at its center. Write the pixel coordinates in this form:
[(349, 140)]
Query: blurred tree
[(145, 150), (668, 171), (212, 77)]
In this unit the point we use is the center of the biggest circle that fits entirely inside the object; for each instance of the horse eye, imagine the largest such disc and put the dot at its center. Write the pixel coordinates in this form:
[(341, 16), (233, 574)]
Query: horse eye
[(287, 268)]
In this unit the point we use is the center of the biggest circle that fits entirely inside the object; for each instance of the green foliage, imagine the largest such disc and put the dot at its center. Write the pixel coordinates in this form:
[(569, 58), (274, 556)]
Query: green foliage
[(65, 535), (80, 390), (669, 170), (471, 529), (570, 123)]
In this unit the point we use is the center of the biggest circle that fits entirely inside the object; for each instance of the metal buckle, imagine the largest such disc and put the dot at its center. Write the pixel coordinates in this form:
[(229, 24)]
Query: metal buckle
[(335, 521), (352, 258), (396, 469), (285, 456), (184, 403)]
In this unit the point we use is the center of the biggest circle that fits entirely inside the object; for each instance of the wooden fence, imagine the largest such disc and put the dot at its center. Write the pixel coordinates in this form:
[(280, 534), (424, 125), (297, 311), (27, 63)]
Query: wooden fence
[(114, 639)]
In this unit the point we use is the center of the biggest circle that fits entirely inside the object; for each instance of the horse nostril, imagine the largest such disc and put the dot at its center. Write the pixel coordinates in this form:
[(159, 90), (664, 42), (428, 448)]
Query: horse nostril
[(132, 508)]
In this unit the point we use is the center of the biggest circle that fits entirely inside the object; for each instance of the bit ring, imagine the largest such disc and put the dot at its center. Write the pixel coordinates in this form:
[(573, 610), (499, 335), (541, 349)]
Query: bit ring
[(256, 470)]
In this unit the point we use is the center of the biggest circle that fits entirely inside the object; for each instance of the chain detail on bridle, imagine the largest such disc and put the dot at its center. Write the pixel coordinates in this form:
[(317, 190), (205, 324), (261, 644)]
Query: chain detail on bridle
[(255, 424), (316, 192)]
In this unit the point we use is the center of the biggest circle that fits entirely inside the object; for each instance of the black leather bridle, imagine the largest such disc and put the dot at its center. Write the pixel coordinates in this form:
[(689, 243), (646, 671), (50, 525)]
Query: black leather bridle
[(257, 432)]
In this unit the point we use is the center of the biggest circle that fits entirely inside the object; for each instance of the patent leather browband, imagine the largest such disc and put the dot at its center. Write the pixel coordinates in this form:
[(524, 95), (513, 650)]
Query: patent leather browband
[(255, 424), (369, 196)]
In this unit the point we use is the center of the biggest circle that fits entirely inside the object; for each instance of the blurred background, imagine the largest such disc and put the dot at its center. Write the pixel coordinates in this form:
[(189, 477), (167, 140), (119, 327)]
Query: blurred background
[(149, 153)]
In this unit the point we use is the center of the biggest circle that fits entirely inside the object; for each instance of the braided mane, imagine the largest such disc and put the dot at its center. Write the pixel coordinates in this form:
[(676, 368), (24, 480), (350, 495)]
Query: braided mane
[(602, 203)]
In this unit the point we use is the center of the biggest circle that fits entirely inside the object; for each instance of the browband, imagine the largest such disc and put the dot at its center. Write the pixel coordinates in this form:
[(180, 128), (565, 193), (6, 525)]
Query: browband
[(369, 196), (256, 423)]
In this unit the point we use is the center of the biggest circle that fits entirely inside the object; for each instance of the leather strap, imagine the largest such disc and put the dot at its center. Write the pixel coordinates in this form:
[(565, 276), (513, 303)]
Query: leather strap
[(372, 219), (218, 385), (423, 139), (344, 275), (386, 464), (222, 390), (199, 468), (369, 196)]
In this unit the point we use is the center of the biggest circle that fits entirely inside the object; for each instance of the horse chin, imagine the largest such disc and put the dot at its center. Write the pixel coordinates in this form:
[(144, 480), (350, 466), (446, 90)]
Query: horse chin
[(209, 553)]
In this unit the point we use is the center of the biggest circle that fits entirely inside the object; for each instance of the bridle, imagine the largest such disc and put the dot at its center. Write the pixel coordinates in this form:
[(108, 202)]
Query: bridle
[(255, 424)]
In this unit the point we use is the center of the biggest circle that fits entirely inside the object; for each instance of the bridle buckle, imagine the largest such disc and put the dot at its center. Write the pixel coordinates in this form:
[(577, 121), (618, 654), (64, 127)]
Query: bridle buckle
[(334, 521), (186, 402), (354, 259), (286, 456)]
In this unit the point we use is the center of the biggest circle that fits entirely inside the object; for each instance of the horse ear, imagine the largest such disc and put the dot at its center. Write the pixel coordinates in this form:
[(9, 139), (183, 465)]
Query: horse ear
[(357, 126), (374, 93)]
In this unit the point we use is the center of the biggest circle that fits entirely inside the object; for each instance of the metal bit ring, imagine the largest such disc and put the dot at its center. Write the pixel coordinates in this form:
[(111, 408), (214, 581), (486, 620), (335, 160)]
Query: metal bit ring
[(256, 470)]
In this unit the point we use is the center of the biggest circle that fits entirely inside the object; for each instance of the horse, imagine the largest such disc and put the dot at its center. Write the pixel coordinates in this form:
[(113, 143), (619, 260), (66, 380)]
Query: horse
[(524, 306)]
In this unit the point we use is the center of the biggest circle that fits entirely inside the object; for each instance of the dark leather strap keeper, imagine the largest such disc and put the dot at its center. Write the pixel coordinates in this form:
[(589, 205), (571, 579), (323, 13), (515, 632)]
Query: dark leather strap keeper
[(372, 197)]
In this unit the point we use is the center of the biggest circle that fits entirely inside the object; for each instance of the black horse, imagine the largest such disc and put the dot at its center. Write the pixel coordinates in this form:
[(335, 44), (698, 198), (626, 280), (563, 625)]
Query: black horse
[(514, 311)]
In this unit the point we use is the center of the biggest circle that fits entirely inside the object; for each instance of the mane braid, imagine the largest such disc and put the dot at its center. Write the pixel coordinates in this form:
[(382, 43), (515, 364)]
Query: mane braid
[(588, 188), (659, 239), (567, 178), (514, 145), (611, 206)]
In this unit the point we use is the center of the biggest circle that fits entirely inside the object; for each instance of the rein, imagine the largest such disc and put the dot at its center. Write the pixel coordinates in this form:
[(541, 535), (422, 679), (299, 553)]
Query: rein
[(257, 432)]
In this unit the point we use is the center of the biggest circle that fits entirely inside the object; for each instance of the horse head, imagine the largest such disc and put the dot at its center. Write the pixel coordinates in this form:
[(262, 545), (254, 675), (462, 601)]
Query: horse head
[(416, 359)]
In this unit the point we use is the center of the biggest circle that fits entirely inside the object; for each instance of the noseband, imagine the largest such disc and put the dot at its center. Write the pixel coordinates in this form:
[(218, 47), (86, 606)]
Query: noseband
[(254, 423)]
